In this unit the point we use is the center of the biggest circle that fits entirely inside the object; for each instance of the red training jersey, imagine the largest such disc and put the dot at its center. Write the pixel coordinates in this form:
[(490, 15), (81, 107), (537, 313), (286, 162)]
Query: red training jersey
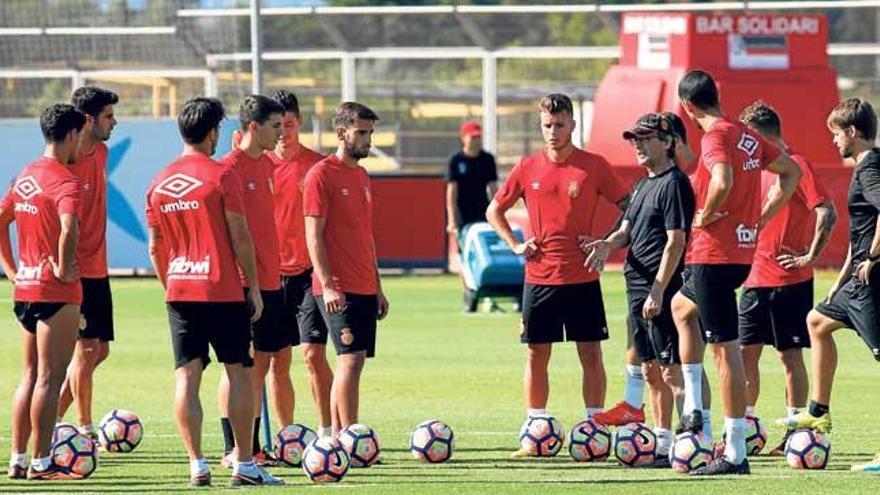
[(561, 200), (91, 170), (789, 230), (289, 219), (732, 239), (257, 191), (187, 203), (341, 195), (42, 192)]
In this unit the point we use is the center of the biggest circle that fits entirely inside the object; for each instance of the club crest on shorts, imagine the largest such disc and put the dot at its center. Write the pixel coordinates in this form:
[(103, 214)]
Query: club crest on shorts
[(346, 336), (82, 322), (573, 189)]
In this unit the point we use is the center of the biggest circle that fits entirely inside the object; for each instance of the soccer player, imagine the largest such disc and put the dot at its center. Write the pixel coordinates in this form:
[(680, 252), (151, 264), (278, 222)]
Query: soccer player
[(655, 227), (44, 202), (96, 325), (292, 161), (260, 119), (723, 239), (198, 234), (562, 299), (778, 294), (338, 210), (854, 298)]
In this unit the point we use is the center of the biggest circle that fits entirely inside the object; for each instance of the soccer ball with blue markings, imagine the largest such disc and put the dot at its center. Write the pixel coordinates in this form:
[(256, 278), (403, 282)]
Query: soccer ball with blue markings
[(542, 436)]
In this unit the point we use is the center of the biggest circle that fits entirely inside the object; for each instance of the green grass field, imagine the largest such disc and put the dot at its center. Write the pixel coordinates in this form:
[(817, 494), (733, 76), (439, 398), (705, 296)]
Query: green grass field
[(433, 361)]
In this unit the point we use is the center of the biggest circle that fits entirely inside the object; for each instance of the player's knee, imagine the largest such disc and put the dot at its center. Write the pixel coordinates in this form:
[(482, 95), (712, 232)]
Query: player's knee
[(103, 353), (683, 309), (651, 372), (538, 353), (816, 324), (792, 360), (315, 359), (672, 377)]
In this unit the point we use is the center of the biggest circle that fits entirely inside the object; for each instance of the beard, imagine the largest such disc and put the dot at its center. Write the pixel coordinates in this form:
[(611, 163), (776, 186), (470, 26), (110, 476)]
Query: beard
[(355, 153), (846, 151)]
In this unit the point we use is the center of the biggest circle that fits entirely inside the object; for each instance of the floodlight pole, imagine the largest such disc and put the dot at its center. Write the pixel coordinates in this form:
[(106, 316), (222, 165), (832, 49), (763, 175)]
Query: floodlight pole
[(349, 77), (256, 48), (490, 102)]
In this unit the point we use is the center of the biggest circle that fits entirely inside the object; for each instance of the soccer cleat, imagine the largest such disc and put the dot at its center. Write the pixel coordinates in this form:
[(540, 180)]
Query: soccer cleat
[(53, 472), (200, 479), (692, 422), (721, 466), (265, 459), (17, 472), (872, 467), (779, 450), (804, 419), (521, 453), (258, 477), (622, 413), (228, 460)]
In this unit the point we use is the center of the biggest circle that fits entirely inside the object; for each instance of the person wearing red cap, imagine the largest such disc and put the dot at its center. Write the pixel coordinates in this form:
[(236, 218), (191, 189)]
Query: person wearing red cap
[(471, 179)]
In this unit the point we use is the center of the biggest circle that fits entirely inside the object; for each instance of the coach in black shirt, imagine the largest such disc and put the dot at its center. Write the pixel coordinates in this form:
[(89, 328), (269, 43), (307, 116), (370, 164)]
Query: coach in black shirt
[(471, 178)]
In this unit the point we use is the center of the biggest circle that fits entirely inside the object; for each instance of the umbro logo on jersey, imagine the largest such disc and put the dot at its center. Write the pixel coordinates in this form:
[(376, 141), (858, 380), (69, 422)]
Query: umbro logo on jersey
[(27, 187), (178, 186), (748, 144), (536, 186), (344, 191)]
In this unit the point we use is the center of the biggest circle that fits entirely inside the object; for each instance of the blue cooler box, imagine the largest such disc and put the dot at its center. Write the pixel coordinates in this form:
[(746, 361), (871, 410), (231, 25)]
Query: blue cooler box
[(488, 266)]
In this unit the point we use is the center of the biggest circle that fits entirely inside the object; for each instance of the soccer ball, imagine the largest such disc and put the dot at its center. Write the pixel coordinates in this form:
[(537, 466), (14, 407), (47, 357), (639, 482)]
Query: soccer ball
[(635, 445), (807, 449), (361, 445), (691, 451), (589, 442), (62, 431), (756, 437), (542, 436), (77, 455), (120, 431), (325, 460), (432, 441), (290, 443)]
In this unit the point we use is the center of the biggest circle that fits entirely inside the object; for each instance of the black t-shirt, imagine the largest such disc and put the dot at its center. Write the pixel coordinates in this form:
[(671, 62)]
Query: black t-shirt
[(863, 202), (472, 175), (660, 203)]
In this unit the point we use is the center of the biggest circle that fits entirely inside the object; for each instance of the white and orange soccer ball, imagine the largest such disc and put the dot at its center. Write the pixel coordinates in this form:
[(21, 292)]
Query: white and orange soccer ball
[(589, 442), (635, 445), (62, 431), (432, 441), (361, 445), (77, 455), (291, 442), (120, 431), (691, 451), (542, 436), (325, 460), (807, 449), (756, 437)]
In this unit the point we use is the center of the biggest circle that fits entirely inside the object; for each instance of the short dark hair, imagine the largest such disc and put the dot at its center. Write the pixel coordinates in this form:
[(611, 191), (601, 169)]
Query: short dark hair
[(59, 120), (198, 117), (677, 125), (258, 108), (91, 100), (699, 89), (350, 111), (762, 117), (287, 100), (855, 112), (556, 103)]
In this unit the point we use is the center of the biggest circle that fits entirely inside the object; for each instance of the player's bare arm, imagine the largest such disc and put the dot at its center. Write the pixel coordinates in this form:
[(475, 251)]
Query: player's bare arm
[(245, 256), (672, 253), (598, 251), (495, 217), (826, 218), (720, 185), (451, 200), (7, 259), (157, 254), (334, 300), (789, 175), (65, 268)]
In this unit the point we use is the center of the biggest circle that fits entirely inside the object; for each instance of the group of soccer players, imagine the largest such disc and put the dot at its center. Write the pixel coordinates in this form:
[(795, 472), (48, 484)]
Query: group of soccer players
[(698, 228), (263, 250)]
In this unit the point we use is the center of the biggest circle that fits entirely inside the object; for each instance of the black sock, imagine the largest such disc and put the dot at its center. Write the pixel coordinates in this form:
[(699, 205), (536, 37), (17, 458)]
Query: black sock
[(257, 447), (817, 410), (228, 437)]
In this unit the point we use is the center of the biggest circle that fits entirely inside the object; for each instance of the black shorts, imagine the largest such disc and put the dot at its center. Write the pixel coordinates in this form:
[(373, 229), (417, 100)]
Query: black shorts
[(354, 328), (713, 289), (29, 313), (96, 310), (776, 316), (270, 333), (857, 306), (225, 326), (301, 313), (572, 312), (656, 338)]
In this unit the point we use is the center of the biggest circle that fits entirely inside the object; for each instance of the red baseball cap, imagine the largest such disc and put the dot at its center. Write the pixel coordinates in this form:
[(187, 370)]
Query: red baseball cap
[(470, 128)]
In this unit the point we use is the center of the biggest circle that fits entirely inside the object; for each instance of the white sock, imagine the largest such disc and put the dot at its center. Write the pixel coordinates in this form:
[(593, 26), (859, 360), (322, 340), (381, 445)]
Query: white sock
[(59, 419), (536, 412), (41, 463), (86, 429), (325, 431), (664, 440), (750, 410), (590, 411), (20, 460), (791, 411), (247, 467), (198, 466), (707, 422), (635, 386), (735, 447), (693, 387)]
